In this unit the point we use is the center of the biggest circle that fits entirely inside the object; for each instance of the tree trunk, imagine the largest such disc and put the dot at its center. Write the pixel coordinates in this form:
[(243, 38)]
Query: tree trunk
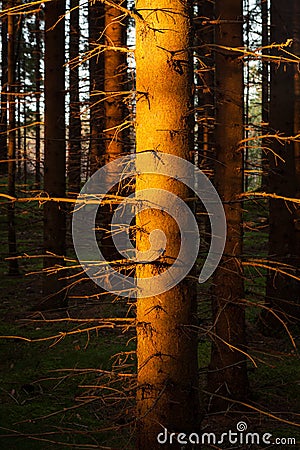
[(3, 119), (18, 87), (97, 114), (265, 92), (115, 73), (37, 101), (74, 163), (12, 242), (55, 151), (296, 50), (25, 155), (227, 370), (281, 290), (205, 79), (114, 81), (167, 394)]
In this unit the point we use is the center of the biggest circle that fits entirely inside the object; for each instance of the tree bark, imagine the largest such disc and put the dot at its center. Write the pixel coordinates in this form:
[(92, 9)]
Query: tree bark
[(205, 88), (74, 165), (114, 81), (296, 50), (55, 148), (167, 393), (227, 370), (38, 77), (281, 290), (265, 92), (12, 241), (97, 114), (4, 116)]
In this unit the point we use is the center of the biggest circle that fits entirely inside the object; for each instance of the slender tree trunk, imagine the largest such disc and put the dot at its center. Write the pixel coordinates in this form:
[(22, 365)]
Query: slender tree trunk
[(25, 155), (74, 163), (115, 74), (265, 92), (227, 370), (296, 49), (206, 104), (167, 394), (206, 107), (18, 88), (114, 80), (37, 101), (97, 114), (3, 119), (280, 291), (12, 242), (55, 148)]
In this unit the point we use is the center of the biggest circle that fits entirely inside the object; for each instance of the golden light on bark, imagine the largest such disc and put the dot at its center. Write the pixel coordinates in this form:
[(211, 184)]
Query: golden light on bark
[(167, 349)]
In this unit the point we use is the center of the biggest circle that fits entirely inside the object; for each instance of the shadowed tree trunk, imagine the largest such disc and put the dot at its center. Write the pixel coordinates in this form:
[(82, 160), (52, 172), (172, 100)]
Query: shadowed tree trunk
[(296, 48), (38, 77), (3, 119), (167, 393), (281, 292), (205, 79), (206, 106), (96, 68), (265, 91), (227, 370), (74, 163), (11, 76), (55, 149)]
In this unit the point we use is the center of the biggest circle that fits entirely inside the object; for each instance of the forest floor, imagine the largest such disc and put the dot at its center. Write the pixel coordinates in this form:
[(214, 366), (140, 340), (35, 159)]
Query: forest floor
[(64, 387)]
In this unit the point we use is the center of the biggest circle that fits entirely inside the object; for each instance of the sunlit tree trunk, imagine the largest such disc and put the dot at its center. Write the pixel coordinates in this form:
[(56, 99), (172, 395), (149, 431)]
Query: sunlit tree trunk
[(167, 393), (114, 80), (227, 370), (115, 72), (12, 243), (96, 69), (55, 146), (3, 119), (280, 292), (74, 163)]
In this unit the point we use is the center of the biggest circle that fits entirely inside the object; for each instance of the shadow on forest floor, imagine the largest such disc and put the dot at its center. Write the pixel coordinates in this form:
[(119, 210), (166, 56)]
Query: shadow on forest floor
[(61, 393)]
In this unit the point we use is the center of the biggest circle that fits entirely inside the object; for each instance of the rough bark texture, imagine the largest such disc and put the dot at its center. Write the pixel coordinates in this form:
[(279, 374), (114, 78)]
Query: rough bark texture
[(282, 291), (74, 163), (167, 394), (227, 371), (97, 114), (55, 151), (12, 243), (3, 119)]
